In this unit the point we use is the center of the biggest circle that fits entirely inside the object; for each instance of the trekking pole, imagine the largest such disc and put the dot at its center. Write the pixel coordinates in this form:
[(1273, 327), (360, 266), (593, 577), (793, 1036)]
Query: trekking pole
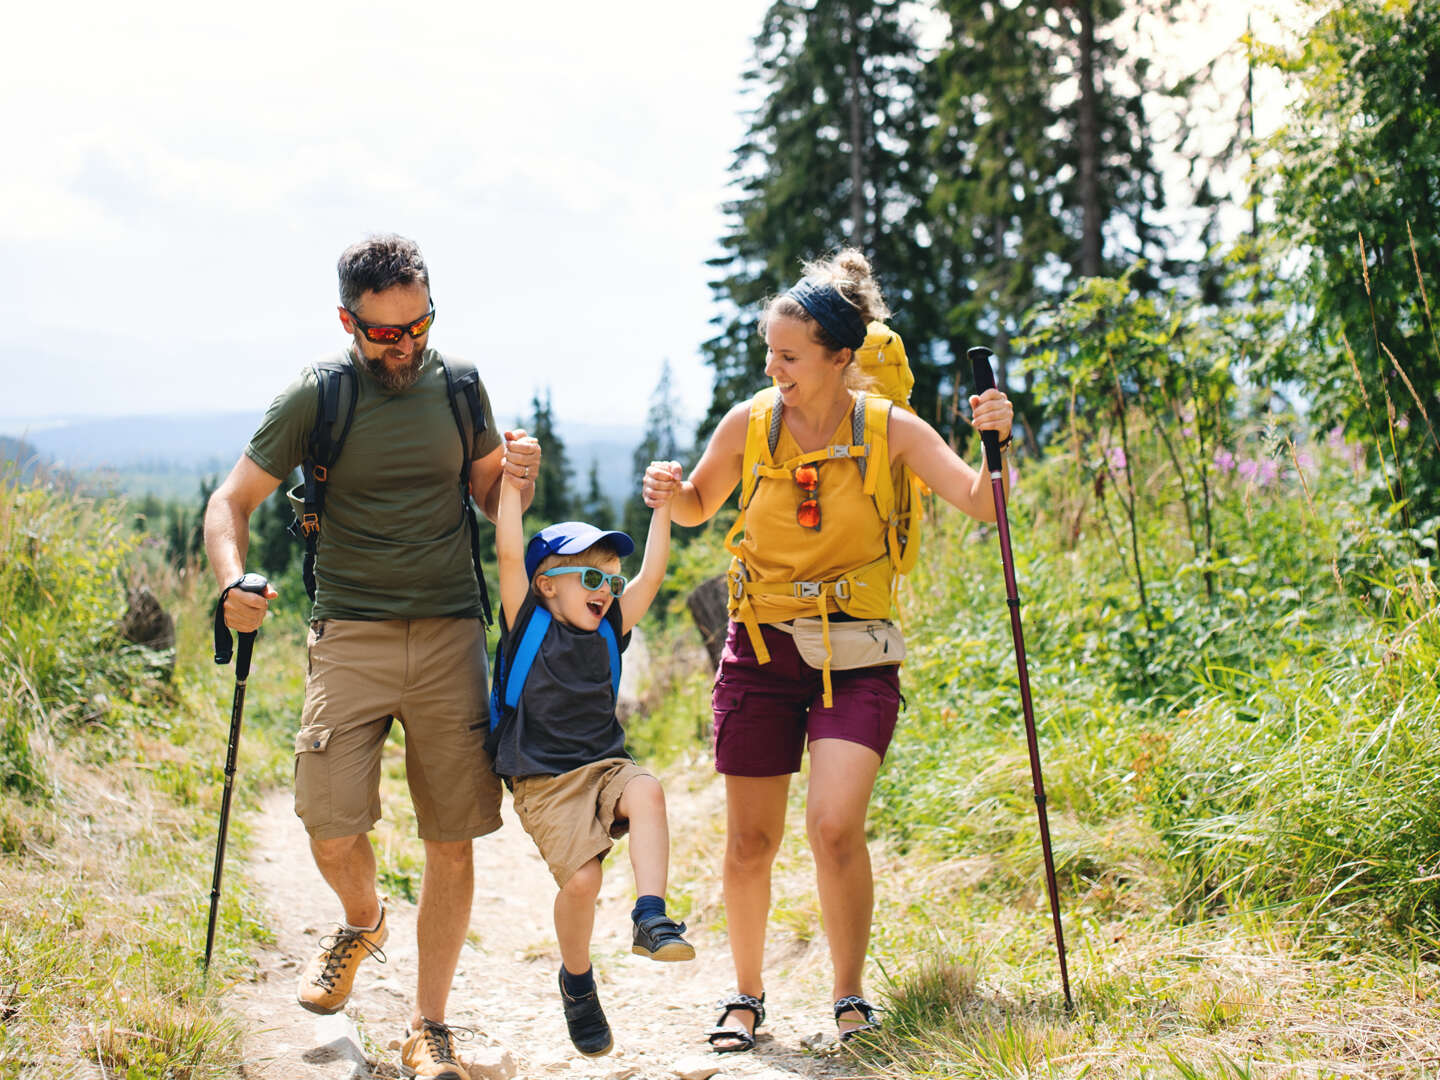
[(251, 583), (985, 380)]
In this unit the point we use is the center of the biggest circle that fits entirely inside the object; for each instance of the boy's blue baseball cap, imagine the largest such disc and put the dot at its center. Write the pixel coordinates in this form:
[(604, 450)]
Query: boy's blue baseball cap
[(568, 537)]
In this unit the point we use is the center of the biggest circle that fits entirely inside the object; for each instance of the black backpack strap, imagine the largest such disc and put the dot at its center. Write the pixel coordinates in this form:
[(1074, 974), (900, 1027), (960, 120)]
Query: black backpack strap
[(322, 450), (462, 382)]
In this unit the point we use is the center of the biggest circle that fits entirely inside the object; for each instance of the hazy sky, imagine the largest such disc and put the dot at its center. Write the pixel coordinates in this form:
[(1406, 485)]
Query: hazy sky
[(182, 177)]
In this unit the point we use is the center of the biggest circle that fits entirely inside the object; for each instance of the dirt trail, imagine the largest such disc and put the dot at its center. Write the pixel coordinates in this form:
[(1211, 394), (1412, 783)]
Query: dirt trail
[(505, 987)]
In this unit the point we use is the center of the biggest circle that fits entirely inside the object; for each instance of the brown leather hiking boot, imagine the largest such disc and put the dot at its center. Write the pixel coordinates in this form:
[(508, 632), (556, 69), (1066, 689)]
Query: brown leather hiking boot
[(327, 979), (430, 1053)]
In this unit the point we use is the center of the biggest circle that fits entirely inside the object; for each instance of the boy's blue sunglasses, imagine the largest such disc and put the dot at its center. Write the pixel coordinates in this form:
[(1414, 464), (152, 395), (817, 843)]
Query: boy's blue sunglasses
[(591, 577)]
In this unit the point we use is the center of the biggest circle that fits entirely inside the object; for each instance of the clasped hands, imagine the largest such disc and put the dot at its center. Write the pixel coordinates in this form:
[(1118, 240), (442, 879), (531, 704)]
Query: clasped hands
[(521, 463)]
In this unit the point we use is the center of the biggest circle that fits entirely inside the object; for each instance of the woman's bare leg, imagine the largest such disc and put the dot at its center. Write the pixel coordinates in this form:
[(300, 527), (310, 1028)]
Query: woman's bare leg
[(754, 826), (842, 776)]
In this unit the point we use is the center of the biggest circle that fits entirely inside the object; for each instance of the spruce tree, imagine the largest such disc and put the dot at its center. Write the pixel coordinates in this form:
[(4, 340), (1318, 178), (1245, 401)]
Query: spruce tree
[(597, 507), (832, 157), (659, 443), (553, 501)]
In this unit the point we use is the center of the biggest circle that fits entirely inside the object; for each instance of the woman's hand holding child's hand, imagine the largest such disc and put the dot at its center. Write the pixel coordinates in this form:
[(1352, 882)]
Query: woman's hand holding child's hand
[(661, 483)]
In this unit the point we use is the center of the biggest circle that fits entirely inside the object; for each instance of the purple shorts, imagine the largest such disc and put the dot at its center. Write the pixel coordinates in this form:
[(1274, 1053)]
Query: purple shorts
[(764, 712)]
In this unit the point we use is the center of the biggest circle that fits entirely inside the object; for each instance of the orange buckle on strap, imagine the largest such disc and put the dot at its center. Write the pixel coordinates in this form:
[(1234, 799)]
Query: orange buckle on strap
[(321, 473), (310, 523)]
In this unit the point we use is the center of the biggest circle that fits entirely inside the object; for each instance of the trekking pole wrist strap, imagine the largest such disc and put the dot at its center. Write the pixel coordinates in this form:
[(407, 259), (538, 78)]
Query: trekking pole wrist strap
[(224, 642)]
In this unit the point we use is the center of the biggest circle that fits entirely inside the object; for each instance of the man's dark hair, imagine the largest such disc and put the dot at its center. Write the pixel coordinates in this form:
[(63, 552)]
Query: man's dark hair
[(378, 263)]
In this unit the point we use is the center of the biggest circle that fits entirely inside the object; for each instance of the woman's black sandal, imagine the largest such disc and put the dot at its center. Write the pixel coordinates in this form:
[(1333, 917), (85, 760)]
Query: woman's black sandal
[(856, 1004), (744, 1040)]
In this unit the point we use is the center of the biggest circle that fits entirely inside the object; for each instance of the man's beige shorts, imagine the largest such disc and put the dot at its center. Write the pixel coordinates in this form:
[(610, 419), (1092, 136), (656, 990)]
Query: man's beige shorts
[(430, 675), (571, 817)]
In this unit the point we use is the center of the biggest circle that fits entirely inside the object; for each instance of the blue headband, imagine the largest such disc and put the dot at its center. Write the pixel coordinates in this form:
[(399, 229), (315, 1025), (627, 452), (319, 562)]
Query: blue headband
[(832, 311)]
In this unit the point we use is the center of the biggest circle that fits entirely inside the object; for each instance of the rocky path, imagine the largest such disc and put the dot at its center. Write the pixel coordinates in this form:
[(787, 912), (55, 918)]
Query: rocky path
[(505, 988)]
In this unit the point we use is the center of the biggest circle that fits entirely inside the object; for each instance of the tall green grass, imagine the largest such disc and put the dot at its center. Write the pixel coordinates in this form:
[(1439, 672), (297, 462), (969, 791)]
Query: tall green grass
[(109, 782)]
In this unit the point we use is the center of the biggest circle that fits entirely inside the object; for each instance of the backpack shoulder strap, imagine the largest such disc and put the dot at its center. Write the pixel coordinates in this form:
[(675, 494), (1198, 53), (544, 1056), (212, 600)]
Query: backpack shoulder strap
[(322, 450), (517, 667), (759, 450), (607, 631), (462, 383), (761, 436), (874, 424)]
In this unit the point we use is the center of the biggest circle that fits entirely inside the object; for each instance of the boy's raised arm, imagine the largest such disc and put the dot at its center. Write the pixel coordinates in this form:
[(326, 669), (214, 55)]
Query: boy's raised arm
[(662, 479), (510, 544)]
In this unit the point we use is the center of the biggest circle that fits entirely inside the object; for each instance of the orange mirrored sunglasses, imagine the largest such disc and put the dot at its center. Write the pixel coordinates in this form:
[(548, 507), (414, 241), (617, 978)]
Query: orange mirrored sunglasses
[(808, 512), (381, 334)]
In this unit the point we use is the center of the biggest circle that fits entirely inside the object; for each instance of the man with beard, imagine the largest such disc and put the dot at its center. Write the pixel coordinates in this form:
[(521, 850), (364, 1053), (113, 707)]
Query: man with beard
[(396, 630)]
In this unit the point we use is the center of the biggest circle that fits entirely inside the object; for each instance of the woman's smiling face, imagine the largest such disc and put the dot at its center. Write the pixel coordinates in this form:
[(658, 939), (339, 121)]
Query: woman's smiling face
[(803, 369)]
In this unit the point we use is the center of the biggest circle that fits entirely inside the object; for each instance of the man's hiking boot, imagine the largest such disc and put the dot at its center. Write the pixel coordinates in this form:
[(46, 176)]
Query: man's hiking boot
[(326, 982), (585, 1020), (658, 937), (430, 1053)]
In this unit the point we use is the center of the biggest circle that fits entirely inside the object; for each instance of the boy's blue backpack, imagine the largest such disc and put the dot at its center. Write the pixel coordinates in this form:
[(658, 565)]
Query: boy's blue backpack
[(509, 672)]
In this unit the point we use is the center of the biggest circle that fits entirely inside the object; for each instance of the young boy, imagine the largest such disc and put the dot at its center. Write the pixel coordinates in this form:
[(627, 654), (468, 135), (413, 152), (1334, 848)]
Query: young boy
[(561, 747)]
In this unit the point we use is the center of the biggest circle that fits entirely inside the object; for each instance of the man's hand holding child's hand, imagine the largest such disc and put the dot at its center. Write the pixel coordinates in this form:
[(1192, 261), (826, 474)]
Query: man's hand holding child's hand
[(522, 459), (661, 483)]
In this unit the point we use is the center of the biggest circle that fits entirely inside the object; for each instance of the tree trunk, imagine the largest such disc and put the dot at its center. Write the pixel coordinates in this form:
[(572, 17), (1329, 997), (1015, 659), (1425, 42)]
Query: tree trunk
[(708, 607), (857, 138), (1088, 137)]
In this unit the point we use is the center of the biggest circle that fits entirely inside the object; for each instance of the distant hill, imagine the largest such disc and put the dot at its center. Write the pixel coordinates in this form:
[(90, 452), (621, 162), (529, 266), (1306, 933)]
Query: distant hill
[(166, 454)]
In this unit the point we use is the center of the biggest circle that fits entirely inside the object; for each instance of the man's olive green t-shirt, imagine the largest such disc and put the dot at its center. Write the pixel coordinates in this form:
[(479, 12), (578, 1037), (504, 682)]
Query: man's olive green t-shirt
[(393, 539)]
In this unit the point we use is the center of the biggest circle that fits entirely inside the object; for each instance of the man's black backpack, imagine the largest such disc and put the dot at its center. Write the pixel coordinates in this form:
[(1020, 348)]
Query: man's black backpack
[(336, 378)]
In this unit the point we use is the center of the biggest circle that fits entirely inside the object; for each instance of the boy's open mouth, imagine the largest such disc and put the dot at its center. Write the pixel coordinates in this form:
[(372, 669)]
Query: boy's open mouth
[(596, 608)]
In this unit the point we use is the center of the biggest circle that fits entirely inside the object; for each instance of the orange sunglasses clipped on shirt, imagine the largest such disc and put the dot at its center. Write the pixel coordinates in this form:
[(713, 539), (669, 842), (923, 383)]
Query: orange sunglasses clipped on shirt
[(808, 512)]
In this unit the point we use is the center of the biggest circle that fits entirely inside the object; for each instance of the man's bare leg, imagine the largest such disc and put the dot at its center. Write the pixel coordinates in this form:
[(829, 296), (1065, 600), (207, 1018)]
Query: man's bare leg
[(446, 891), (347, 864)]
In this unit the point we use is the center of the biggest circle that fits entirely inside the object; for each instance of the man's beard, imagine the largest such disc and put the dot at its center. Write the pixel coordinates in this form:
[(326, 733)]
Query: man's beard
[(391, 378)]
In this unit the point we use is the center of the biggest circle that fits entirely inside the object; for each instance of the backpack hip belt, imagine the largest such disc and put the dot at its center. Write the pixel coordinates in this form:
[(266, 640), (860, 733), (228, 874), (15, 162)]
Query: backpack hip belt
[(861, 593)]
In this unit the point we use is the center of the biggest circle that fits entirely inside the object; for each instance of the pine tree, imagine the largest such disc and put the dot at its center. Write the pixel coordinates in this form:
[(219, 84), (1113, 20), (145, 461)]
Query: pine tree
[(993, 88), (659, 443), (831, 158), (597, 509), (1045, 167), (553, 501)]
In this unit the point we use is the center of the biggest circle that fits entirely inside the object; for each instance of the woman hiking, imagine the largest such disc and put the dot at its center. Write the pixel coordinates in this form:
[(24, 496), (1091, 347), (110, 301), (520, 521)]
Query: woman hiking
[(810, 655)]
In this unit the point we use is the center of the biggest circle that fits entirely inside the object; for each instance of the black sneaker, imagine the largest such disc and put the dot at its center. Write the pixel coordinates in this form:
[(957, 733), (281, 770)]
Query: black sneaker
[(589, 1030), (658, 937)]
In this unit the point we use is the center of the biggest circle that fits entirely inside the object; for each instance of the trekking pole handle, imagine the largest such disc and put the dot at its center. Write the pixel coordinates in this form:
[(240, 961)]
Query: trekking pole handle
[(224, 644), (985, 380)]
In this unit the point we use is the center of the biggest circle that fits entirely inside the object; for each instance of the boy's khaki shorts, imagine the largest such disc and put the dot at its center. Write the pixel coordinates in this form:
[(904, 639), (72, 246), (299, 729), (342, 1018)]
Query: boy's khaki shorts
[(430, 675), (571, 817)]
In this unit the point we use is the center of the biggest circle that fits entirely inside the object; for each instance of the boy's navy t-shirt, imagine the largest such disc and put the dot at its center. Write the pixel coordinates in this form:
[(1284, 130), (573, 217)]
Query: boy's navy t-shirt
[(566, 714)]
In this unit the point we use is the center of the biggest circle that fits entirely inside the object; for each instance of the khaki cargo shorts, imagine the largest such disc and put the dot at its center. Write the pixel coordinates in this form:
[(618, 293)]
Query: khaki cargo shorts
[(429, 674), (571, 817)]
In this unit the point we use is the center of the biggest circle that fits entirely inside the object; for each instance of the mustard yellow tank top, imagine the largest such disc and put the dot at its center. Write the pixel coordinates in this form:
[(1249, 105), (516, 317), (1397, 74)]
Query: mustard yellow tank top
[(777, 548)]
